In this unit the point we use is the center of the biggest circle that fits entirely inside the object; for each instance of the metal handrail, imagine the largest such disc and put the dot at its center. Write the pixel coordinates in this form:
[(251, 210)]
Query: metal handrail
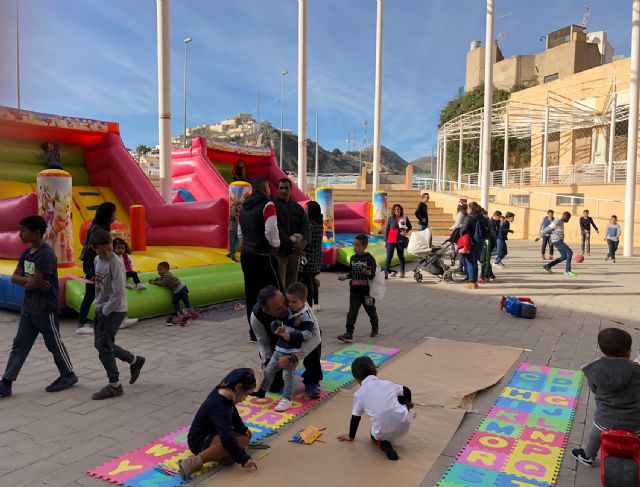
[(596, 173)]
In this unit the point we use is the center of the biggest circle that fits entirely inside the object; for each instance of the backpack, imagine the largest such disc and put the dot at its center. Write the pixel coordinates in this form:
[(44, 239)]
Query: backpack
[(481, 231)]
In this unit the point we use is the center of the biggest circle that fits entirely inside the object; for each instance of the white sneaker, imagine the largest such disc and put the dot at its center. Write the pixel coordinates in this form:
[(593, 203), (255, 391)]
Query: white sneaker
[(127, 322), (84, 330), (141, 287), (283, 405), (129, 286), (316, 307)]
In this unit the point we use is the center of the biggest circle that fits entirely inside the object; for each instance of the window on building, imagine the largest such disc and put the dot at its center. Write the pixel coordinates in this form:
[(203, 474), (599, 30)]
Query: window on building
[(570, 199), (620, 147), (553, 149), (582, 145), (551, 77), (519, 200)]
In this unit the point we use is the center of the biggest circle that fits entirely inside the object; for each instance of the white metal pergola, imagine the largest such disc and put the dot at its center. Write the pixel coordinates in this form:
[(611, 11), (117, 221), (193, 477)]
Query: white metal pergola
[(515, 119)]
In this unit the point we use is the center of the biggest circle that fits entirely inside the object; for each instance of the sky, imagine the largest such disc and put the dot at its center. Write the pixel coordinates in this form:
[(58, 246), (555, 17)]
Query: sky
[(97, 59)]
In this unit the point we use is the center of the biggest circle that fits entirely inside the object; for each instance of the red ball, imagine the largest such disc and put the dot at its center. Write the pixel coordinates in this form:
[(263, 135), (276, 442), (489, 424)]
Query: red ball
[(579, 258)]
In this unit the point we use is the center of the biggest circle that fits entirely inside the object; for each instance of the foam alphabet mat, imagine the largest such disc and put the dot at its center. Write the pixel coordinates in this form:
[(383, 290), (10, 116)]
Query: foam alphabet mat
[(522, 439), (156, 463)]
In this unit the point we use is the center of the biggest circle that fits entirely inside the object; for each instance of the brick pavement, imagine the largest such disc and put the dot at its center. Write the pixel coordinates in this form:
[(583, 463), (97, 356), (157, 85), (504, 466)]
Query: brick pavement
[(53, 439)]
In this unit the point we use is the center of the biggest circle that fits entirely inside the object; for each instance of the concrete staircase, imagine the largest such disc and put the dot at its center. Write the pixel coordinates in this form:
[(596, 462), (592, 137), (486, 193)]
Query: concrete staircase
[(439, 221)]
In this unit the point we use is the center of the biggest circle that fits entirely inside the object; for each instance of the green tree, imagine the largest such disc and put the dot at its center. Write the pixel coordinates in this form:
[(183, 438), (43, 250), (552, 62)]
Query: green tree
[(142, 149), (468, 102)]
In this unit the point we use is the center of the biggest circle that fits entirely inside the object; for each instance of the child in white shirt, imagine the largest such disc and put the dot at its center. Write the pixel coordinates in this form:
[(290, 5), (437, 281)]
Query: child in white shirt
[(387, 405)]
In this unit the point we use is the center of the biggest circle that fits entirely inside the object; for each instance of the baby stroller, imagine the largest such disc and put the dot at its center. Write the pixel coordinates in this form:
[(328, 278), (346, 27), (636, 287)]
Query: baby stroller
[(435, 263)]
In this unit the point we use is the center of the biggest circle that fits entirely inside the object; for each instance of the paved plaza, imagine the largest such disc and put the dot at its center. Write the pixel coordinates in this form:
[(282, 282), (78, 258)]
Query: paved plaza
[(53, 439)]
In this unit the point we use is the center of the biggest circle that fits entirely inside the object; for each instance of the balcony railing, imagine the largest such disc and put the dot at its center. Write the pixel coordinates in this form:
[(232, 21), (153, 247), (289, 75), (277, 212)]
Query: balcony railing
[(556, 175)]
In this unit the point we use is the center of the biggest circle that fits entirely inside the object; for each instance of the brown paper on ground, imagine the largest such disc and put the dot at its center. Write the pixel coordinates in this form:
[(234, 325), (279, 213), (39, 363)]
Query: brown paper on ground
[(464, 367), (452, 371)]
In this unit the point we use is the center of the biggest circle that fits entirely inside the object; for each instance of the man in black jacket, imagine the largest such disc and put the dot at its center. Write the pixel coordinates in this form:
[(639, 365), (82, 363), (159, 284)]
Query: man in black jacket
[(272, 306), (292, 219), (261, 240), (422, 212)]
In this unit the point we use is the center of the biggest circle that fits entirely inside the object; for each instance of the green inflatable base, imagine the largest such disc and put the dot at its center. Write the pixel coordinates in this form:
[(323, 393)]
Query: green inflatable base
[(376, 249), (207, 285)]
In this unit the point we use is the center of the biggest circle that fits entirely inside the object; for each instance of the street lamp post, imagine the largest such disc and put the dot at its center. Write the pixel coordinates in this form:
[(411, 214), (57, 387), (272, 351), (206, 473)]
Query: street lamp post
[(186, 41), (283, 74), (488, 93), (18, 53)]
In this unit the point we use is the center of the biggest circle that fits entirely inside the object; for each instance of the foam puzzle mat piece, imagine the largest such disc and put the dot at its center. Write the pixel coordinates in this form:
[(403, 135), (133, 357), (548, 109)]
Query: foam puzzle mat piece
[(136, 468), (522, 439)]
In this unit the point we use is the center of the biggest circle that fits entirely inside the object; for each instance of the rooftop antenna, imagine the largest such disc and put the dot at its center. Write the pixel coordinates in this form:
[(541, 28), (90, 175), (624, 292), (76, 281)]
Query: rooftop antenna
[(503, 19), (586, 14)]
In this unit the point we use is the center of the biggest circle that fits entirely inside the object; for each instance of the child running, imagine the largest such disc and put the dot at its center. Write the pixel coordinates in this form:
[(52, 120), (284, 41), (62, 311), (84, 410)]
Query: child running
[(111, 308), (546, 221), (556, 233), (387, 405), (37, 274), (362, 268), (217, 433), (298, 328), (502, 236), (121, 249), (180, 292), (615, 381), (613, 238), (586, 222)]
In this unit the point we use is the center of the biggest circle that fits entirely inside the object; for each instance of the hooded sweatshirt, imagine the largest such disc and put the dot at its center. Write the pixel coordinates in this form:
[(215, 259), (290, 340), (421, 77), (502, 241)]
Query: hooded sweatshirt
[(616, 383)]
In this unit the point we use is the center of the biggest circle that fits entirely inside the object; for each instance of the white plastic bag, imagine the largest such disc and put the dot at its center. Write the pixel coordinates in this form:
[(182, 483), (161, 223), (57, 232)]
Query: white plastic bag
[(377, 285)]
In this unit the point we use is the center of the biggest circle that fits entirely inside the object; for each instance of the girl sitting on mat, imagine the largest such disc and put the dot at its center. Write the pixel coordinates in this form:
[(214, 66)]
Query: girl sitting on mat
[(217, 433), (387, 405)]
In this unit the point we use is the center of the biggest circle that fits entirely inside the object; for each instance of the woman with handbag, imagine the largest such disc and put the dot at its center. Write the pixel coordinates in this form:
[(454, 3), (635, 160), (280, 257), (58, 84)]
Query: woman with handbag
[(396, 237)]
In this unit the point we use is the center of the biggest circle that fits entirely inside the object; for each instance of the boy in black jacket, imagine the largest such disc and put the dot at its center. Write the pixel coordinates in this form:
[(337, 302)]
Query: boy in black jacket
[(362, 268), (615, 381)]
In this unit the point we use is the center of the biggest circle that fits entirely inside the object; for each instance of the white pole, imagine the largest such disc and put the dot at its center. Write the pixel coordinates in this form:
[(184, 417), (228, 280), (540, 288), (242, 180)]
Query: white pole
[(612, 136), (545, 143), (282, 75), (444, 161), (438, 159), (377, 107), (184, 127), (505, 162), (481, 152), (302, 95), (316, 175), (488, 93), (632, 141), (164, 98), (18, 53), (460, 159)]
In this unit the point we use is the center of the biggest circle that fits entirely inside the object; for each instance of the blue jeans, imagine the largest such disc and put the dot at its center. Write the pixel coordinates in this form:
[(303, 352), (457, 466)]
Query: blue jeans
[(546, 241), (502, 250), (471, 262), (287, 374), (234, 241), (89, 297), (182, 295), (422, 226), (566, 254), (32, 324), (390, 248), (613, 246)]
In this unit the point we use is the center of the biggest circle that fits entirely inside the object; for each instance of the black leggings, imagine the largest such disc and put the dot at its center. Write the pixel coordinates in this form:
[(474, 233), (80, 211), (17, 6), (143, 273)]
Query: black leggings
[(308, 279), (133, 275)]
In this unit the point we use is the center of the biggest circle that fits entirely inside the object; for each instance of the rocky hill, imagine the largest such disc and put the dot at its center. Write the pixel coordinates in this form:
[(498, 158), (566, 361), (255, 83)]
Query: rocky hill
[(334, 161), (423, 165)]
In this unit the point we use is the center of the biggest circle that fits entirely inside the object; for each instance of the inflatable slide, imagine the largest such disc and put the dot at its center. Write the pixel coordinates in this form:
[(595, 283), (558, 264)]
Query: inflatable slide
[(203, 171), (190, 236)]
